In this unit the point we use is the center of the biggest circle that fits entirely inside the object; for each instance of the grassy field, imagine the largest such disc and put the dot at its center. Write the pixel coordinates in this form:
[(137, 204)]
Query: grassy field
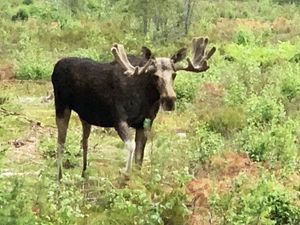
[(228, 155)]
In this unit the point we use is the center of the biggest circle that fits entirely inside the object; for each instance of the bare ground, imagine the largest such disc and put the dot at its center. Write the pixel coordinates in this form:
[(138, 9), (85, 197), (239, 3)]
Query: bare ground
[(218, 174)]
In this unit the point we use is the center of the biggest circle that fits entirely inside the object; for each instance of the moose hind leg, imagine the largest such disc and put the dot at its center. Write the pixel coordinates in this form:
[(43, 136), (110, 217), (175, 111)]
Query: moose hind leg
[(86, 130), (62, 122)]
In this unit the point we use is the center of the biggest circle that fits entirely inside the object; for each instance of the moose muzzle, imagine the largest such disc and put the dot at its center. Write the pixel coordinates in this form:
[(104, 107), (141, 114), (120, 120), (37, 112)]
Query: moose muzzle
[(168, 103)]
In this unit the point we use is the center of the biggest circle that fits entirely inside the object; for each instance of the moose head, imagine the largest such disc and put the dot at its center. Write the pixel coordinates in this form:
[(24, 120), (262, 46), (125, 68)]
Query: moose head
[(163, 69)]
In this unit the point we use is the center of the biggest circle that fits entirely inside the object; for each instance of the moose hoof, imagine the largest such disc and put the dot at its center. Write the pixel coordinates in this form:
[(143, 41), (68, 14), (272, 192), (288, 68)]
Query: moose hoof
[(123, 181), (124, 173), (123, 178)]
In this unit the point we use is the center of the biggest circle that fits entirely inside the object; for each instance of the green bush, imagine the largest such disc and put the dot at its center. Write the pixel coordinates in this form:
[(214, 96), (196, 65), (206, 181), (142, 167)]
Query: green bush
[(34, 68), (63, 204), (290, 82), (244, 36), (22, 14), (264, 109), (72, 151), (227, 120), (27, 2), (49, 203), (204, 143), (15, 203), (92, 54), (265, 201), (138, 207), (236, 92), (185, 88), (271, 145)]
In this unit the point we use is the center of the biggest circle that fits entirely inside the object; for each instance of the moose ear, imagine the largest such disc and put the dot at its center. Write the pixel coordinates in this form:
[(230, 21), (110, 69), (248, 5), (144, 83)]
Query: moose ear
[(179, 55), (146, 52)]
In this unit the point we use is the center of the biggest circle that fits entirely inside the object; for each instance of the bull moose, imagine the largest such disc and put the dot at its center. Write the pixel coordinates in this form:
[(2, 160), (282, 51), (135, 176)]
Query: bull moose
[(120, 94)]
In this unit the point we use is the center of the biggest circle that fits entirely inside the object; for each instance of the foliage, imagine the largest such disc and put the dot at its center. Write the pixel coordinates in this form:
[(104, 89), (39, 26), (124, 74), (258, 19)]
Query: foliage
[(15, 208), (185, 88), (272, 145), (204, 143), (22, 14), (34, 69), (47, 146), (262, 201), (262, 110), (27, 2), (51, 204), (227, 120), (290, 84), (63, 202), (138, 207)]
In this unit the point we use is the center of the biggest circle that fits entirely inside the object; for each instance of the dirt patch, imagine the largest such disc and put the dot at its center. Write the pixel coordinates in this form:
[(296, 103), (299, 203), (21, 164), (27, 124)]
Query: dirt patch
[(211, 94), (218, 174), (282, 25), (225, 28), (225, 23), (7, 72), (25, 150)]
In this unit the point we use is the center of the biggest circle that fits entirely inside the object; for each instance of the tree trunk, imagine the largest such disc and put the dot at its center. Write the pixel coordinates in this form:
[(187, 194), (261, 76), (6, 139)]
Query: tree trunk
[(187, 15), (145, 16)]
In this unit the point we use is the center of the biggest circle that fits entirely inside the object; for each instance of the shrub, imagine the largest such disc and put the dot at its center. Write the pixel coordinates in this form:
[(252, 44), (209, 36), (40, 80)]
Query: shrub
[(204, 143), (27, 2), (227, 120), (15, 203), (264, 109), (22, 14), (244, 36), (185, 88), (138, 207), (290, 82), (91, 53), (63, 203), (236, 92), (72, 149), (271, 145), (34, 68), (262, 201)]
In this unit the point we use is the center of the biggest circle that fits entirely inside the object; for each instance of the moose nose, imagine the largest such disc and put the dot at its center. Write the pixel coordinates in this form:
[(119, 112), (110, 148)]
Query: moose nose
[(168, 103), (170, 94)]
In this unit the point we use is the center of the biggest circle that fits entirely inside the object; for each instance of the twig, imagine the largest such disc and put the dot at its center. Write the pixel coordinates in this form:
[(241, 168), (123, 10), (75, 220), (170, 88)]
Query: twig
[(10, 113)]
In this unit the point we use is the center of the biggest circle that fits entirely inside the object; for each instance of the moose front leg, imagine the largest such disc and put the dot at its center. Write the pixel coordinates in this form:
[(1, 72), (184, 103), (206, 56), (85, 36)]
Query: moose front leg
[(140, 141), (141, 136), (123, 130)]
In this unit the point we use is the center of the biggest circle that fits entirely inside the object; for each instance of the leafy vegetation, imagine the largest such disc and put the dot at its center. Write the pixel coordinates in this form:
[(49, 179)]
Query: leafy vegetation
[(228, 155)]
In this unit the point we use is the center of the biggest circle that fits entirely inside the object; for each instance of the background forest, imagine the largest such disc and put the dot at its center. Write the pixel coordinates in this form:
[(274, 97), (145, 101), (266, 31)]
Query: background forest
[(228, 155)]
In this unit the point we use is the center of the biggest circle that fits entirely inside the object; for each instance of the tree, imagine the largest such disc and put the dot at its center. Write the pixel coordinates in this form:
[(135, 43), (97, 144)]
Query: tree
[(188, 7)]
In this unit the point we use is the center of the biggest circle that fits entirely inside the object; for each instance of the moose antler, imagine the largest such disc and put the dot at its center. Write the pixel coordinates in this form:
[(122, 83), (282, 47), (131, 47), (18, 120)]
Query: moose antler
[(120, 55), (200, 56)]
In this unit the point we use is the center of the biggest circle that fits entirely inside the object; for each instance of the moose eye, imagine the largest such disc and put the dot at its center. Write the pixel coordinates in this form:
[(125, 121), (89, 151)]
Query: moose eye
[(155, 77)]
